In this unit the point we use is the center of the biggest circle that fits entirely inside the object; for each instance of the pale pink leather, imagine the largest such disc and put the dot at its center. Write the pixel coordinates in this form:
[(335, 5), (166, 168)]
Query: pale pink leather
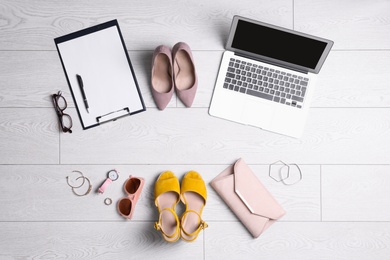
[(132, 197), (247, 197), (187, 95), (162, 98), (104, 185)]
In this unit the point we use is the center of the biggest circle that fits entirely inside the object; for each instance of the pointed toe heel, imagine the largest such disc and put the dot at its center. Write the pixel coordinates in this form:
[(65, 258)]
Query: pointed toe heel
[(161, 77), (184, 73)]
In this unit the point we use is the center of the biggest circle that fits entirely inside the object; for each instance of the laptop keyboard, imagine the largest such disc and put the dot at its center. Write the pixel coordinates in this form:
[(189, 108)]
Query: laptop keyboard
[(267, 83)]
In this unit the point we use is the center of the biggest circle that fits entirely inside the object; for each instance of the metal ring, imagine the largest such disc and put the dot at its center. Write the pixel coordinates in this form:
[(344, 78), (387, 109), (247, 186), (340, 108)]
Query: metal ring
[(300, 175), (89, 188), (82, 176), (108, 201), (283, 165)]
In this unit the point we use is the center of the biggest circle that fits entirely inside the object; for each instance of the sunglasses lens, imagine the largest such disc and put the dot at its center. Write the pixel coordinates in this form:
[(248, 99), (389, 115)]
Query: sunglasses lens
[(125, 206), (132, 185)]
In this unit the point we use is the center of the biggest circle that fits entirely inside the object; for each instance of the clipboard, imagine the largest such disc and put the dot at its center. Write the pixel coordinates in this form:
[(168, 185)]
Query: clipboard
[(99, 56)]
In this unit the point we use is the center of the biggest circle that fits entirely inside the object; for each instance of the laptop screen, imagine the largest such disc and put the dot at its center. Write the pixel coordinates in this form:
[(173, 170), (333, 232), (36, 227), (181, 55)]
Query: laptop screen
[(279, 44)]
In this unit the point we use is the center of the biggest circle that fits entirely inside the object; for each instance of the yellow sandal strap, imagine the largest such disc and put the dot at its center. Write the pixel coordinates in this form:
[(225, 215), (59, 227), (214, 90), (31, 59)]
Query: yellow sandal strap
[(202, 223), (157, 225)]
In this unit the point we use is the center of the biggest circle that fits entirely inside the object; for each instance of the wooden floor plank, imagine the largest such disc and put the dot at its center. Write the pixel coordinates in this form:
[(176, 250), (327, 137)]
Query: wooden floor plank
[(354, 79), (27, 85), (29, 136), (295, 240), (203, 24), (350, 24), (344, 81), (97, 240), (356, 193), (338, 210), (332, 136), (47, 197)]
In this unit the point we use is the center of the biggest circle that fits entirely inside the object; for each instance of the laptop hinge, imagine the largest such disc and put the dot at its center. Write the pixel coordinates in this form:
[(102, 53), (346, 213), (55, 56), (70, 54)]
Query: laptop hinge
[(269, 62)]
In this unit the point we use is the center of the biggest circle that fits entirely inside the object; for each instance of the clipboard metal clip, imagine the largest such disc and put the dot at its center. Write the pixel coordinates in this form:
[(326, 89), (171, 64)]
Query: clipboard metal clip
[(113, 115)]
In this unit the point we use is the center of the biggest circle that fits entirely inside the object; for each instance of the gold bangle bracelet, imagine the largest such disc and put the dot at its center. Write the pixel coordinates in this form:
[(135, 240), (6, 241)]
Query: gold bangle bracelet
[(82, 176), (82, 184), (87, 192)]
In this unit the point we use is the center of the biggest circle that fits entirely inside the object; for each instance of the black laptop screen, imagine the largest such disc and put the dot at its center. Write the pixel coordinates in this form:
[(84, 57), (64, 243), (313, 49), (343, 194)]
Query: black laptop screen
[(276, 44)]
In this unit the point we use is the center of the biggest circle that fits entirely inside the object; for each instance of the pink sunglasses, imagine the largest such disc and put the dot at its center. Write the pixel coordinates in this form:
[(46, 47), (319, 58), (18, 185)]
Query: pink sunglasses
[(133, 187)]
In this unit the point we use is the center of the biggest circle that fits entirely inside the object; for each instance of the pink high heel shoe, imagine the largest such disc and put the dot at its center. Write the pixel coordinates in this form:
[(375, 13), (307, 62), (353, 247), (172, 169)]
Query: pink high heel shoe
[(184, 74), (133, 187), (161, 79)]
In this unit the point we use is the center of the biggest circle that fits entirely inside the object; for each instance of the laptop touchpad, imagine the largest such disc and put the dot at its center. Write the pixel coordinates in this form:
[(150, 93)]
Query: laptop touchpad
[(257, 114)]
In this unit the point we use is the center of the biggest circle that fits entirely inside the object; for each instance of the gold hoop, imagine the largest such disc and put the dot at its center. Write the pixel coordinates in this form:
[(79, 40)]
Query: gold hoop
[(88, 191), (82, 176), (82, 184)]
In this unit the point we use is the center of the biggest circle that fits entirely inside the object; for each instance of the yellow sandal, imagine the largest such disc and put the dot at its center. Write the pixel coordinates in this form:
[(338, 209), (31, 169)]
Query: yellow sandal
[(193, 195), (166, 197)]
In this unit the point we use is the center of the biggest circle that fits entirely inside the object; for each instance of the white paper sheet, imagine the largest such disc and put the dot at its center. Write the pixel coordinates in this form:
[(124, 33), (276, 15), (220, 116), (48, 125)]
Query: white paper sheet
[(100, 59)]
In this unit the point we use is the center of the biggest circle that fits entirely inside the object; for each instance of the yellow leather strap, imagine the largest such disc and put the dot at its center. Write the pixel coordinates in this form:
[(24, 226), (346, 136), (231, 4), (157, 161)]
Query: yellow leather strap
[(202, 225), (158, 226)]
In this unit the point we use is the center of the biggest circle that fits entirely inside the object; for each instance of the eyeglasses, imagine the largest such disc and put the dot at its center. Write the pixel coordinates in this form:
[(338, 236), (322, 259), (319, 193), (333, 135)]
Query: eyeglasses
[(60, 105), (133, 187)]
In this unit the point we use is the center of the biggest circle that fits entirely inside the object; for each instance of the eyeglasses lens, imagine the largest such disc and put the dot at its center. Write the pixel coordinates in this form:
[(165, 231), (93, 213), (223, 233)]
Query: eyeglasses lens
[(66, 121), (61, 103)]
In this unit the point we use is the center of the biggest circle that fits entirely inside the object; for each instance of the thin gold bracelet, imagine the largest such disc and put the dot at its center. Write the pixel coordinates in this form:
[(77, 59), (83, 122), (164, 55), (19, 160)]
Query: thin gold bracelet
[(82, 184)]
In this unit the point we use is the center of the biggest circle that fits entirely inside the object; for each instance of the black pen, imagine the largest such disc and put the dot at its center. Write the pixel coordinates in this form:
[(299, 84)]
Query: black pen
[(81, 85)]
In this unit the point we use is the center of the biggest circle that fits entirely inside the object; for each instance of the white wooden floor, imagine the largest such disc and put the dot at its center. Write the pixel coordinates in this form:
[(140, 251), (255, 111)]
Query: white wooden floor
[(341, 208)]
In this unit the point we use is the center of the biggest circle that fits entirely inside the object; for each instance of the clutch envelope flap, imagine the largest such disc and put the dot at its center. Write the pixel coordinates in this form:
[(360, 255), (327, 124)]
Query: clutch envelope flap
[(253, 194)]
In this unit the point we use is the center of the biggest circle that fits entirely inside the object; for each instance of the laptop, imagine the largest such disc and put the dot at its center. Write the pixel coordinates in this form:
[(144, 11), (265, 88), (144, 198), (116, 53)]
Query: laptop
[(267, 76)]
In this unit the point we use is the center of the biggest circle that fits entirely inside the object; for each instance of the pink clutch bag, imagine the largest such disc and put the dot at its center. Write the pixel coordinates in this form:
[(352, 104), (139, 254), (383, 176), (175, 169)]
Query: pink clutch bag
[(246, 196)]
